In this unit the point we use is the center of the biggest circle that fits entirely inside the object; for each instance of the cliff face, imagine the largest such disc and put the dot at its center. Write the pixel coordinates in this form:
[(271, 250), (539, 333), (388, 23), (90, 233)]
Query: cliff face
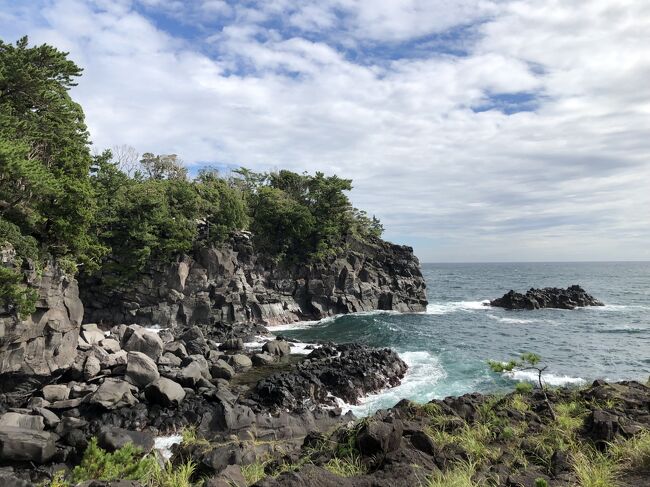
[(47, 340), (232, 283)]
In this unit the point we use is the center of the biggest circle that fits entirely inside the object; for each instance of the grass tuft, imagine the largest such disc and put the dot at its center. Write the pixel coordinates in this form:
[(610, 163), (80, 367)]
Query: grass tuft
[(459, 476), (253, 472), (633, 453), (594, 469), (170, 476), (347, 466)]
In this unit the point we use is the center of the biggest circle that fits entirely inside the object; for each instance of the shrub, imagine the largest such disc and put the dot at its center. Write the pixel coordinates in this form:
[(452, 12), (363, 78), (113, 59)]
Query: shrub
[(127, 463), (634, 452), (524, 388)]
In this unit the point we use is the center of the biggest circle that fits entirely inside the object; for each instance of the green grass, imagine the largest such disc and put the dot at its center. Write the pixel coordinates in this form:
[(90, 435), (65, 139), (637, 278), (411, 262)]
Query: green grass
[(347, 466), (518, 403), (171, 476), (594, 469), (459, 476), (253, 472), (190, 437), (524, 388), (633, 453), (473, 439)]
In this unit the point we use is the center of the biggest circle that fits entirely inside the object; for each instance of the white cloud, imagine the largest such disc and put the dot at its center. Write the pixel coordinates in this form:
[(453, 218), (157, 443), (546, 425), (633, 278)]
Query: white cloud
[(566, 181)]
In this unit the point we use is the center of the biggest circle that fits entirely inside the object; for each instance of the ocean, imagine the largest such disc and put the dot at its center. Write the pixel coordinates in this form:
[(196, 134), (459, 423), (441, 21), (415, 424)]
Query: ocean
[(448, 346)]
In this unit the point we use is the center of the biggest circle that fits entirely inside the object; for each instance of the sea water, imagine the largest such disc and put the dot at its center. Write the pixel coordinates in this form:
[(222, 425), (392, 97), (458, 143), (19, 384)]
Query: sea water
[(448, 346)]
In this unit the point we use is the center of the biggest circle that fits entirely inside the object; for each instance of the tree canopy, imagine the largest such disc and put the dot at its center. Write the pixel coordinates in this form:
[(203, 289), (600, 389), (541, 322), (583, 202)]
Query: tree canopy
[(114, 212)]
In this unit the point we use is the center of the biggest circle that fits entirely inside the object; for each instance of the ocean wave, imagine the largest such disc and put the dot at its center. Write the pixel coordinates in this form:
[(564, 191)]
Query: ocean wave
[(453, 306), (301, 325), (619, 307), (515, 321), (631, 330), (298, 348), (424, 370), (550, 379)]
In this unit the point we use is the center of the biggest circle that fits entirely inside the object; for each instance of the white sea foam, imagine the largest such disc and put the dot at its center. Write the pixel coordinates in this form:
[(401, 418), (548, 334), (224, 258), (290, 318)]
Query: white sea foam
[(424, 370), (154, 328), (164, 444), (550, 379), (257, 342), (453, 306), (514, 321)]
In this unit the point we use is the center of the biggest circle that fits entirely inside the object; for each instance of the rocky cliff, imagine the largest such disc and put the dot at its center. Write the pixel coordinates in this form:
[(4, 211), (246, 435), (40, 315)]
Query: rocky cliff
[(233, 283), (46, 341)]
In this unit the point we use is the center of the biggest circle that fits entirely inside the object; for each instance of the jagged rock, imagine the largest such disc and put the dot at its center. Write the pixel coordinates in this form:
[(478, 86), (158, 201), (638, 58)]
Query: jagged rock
[(56, 392), (309, 476), (50, 419), (233, 283), (232, 344), (137, 339), (221, 370), (46, 341), (23, 421), (8, 479), (347, 371), (231, 476), (140, 369), (379, 437), (240, 361), (113, 394), (194, 340), (114, 359), (91, 334), (549, 297), (110, 345), (20, 444), (170, 359), (259, 359), (176, 348), (92, 367), (277, 347), (165, 392), (111, 438)]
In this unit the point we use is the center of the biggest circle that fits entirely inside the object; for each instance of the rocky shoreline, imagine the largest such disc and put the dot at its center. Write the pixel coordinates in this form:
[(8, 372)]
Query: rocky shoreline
[(131, 383), (264, 416)]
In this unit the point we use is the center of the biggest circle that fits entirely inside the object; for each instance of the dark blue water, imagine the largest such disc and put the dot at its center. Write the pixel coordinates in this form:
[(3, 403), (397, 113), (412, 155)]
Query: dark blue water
[(448, 346)]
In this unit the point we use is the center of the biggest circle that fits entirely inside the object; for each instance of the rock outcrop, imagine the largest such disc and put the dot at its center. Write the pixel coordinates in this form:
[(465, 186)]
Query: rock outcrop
[(234, 284), (548, 297), (46, 341)]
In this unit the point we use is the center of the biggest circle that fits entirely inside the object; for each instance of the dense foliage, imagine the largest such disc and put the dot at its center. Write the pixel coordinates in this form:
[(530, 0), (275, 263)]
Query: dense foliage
[(112, 213)]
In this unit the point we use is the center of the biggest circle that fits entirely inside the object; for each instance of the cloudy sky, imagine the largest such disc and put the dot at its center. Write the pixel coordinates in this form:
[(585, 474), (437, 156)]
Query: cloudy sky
[(477, 130)]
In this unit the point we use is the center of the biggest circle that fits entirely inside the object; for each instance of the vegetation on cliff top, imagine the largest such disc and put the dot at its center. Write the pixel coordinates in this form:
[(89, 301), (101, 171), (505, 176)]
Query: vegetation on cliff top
[(113, 212)]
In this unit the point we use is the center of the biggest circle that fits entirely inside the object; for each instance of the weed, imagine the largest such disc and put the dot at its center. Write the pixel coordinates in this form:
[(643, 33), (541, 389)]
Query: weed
[(594, 469), (523, 388), (190, 437), (171, 476), (633, 453), (347, 466), (253, 472), (518, 403), (459, 476)]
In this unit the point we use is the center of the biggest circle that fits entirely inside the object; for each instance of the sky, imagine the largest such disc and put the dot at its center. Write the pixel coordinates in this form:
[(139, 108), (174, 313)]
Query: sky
[(476, 130)]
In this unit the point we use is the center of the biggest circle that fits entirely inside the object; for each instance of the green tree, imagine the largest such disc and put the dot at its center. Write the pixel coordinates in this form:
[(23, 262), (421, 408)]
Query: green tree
[(44, 152), (222, 206)]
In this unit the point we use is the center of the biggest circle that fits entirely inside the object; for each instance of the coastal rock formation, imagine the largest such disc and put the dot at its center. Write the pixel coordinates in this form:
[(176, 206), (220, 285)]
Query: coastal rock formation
[(46, 341), (233, 284), (548, 297)]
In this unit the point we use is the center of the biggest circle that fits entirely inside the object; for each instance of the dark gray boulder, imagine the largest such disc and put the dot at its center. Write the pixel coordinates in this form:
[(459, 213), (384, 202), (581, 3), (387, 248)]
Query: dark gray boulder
[(111, 438), (165, 392), (279, 348), (141, 370), (28, 445), (548, 297)]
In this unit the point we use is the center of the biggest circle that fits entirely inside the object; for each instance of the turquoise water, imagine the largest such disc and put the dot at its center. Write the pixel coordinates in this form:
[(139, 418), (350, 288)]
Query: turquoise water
[(448, 346)]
